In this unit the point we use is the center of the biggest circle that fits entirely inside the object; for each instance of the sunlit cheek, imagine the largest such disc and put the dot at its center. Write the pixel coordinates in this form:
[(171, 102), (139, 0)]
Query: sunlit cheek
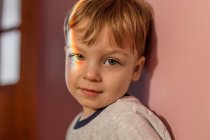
[(73, 71), (74, 65)]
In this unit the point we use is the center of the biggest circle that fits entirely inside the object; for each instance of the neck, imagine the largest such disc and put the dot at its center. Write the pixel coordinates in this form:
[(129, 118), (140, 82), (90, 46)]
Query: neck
[(87, 112)]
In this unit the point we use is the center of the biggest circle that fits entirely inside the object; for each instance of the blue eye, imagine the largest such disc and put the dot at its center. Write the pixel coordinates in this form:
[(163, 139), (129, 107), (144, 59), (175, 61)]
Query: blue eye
[(111, 61), (77, 57)]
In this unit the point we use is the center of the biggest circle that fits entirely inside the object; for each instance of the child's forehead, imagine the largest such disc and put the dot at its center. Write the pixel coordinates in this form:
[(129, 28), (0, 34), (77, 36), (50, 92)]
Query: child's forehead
[(105, 35), (104, 45)]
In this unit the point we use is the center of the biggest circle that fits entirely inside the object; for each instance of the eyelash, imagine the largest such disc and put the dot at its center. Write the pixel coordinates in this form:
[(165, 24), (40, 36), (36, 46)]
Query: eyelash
[(77, 57), (115, 61)]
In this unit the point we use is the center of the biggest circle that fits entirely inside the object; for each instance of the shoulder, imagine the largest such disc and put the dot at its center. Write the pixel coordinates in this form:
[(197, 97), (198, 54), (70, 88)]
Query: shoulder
[(128, 105), (131, 117)]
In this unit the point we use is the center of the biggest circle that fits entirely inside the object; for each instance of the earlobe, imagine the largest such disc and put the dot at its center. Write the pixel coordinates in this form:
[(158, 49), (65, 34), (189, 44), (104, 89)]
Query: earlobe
[(138, 68)]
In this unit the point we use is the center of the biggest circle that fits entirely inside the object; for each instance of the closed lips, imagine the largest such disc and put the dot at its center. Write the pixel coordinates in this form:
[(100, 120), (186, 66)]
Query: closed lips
[(91, 90)]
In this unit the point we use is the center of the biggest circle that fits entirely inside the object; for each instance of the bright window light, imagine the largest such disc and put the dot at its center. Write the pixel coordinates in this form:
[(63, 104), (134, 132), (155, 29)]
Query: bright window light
[(10, 58), (11, 14)]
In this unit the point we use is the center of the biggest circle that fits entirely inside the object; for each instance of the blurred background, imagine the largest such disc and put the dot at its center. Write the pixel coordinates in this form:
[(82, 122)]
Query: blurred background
[(35, 103)]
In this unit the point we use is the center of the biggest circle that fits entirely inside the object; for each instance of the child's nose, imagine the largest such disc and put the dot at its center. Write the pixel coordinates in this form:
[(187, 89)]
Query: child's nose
[(92, 73)]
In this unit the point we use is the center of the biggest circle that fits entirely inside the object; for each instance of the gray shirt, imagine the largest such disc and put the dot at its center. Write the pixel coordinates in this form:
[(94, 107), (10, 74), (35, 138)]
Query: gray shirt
[(125, 119)]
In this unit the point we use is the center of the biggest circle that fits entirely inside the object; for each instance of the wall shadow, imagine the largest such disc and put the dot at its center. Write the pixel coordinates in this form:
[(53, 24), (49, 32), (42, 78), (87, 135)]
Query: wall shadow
[(141, 88)]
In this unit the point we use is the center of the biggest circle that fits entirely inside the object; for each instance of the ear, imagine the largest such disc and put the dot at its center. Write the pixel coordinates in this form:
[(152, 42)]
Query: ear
[(138, 68)]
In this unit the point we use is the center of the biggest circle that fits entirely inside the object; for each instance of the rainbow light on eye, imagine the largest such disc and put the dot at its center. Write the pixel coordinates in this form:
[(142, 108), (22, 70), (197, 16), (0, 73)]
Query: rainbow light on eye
[(71, 48)]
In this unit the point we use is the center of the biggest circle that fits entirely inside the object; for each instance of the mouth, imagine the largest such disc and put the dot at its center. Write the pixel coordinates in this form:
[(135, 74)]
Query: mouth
[(91, 92)]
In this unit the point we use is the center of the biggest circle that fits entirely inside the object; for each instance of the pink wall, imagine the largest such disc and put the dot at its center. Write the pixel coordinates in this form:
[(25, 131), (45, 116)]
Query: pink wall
[(174, 83), (179, 87)]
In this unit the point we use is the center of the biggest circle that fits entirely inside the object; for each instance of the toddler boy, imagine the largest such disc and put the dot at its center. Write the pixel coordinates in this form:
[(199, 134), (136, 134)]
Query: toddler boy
[(104, 54)]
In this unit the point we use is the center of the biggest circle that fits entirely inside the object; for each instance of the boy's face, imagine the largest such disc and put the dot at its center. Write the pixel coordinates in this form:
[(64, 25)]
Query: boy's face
[(99, 74)]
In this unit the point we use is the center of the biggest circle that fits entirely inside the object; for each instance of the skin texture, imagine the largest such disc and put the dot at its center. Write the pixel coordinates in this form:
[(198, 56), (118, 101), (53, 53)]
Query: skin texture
[(98, 75)]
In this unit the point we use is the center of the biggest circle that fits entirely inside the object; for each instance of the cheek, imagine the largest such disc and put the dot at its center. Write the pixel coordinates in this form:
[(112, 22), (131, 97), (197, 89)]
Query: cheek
[(118, 82), (67, 71), (71, 72), (68, 79)]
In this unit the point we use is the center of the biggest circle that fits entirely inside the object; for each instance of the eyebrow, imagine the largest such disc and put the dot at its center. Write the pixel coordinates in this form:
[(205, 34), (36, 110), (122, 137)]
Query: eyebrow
[(74, 47), (117, 52), (107, 52)]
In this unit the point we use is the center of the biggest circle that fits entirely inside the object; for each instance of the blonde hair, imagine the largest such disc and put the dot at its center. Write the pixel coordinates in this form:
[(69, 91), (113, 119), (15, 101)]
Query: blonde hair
[(127, 19)]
